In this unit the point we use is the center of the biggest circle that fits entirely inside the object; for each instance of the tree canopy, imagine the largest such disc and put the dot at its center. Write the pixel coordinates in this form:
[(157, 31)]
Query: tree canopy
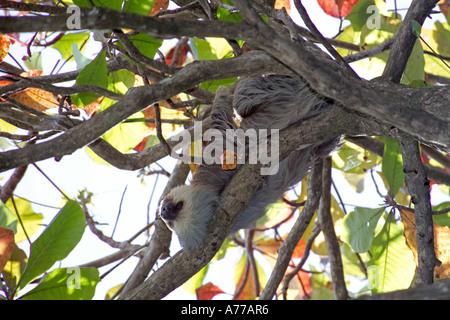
[(122, 80)]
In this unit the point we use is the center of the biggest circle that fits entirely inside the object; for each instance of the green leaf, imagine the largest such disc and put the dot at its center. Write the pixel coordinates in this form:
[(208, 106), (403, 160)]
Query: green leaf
[(392, 265), (14, 267), (359, 227), (215, 84), (414, 69), (209, 49), (354, 159), (120, 81), (439, 40), (138, 6), (225, 15), (7, 219), (111, 4), (351, 261), (392, 165), (360, 13), (81, 60), (126, 136), (146, 44), (34, 62), (56, 241), (95, 73), (195, 281), (64, 45), (416, 28), (66, 284), (442, 219)]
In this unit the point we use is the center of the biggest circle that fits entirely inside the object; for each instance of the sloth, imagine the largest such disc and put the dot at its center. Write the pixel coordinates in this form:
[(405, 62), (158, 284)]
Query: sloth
[(261, 102)]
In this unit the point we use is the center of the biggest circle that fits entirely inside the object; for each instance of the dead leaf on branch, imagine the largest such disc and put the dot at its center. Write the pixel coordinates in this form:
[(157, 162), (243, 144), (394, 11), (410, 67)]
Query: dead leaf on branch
[(35, 98), (441, 243), (4, 46)]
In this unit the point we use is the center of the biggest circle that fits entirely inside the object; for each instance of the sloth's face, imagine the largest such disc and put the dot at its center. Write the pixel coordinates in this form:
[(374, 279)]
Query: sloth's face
[(170, 211)]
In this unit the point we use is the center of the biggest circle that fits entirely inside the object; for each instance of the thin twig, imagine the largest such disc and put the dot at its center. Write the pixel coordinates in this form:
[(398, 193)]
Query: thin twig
[(326, 225), (288, 277), (251, 260), (302, 11)]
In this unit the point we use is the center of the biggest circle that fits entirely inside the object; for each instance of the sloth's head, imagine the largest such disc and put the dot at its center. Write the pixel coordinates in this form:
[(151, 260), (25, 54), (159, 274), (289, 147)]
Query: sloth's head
[(187, 211)]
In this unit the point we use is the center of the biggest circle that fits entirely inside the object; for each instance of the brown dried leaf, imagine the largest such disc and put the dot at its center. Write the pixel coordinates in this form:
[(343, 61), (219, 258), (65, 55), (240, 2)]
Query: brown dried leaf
[(158, 6), (4, 46), (441, 243)]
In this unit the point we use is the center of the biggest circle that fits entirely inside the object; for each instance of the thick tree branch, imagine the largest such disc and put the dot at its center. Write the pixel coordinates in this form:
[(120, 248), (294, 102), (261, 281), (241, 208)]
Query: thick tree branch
[(419, 186), (328, 79), (437, 291), (160, 240), (183, 265), (324, 76), (234, 200), (405, 39), (88, 131)]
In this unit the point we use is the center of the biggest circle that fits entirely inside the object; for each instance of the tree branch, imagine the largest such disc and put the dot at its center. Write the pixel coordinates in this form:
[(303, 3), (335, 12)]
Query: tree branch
[(327, 227), (437, 291), (326, 78), (287, 248), (419, 186), (160, 241), (88, 131), (405, 40)]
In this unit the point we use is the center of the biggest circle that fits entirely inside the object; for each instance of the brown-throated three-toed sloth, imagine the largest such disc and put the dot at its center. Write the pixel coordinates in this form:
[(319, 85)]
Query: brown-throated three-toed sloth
[(263, 102)]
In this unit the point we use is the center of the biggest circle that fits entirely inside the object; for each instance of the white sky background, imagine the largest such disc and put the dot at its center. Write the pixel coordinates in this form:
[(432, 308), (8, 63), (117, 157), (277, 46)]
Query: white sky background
[(77, 171)]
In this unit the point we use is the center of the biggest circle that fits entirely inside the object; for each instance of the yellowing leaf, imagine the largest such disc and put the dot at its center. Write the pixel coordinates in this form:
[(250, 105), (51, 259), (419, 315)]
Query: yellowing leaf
[(33, 97), (4, 46), (248, 291), (36, 98), (441, 243), (31, 221)]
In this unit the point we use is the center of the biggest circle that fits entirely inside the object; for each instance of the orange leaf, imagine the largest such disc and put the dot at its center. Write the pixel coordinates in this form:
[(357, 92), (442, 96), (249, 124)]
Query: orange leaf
[(248, 291), (299, 249), (158, 6), (337, 8), (283, 4), (4, 46), (441, 243), (36, 98), (33, 97), (181, 59), (6, 246), (208, 291)]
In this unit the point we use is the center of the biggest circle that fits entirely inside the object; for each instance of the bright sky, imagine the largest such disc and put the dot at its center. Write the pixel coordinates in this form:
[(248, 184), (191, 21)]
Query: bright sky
[(77, 171)]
